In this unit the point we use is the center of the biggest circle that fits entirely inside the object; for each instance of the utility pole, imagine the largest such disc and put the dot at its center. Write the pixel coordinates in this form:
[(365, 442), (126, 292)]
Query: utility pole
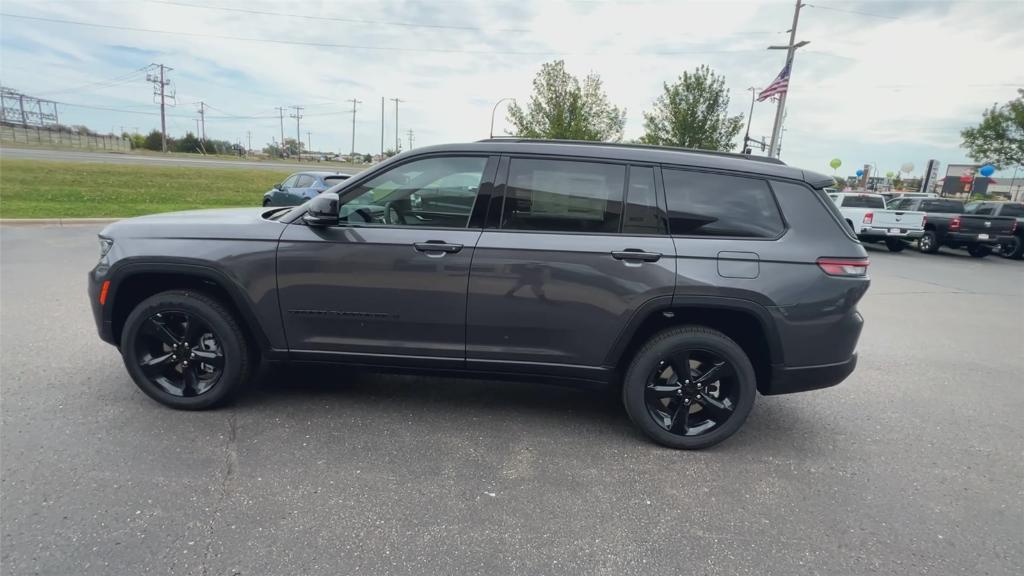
[(398, 143), (412, 138), (160, 84), (280, 111), (249, 149), (202, 118), (298, 133), (354, 102), (197, 125), (309, 141), (773, 148), (382, 127)]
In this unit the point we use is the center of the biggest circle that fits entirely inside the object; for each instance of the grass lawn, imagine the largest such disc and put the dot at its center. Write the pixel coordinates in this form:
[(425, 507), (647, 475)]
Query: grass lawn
[(43, 189)]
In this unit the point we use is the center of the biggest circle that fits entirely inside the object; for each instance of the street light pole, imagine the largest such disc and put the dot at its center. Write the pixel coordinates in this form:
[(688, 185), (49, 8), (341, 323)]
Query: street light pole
[(493, 110)]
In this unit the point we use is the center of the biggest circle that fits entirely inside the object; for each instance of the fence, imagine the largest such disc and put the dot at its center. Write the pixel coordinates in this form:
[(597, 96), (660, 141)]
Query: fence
[(44, 136)]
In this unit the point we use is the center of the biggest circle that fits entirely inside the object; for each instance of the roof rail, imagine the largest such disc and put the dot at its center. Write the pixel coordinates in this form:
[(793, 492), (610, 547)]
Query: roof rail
[(641, 146)]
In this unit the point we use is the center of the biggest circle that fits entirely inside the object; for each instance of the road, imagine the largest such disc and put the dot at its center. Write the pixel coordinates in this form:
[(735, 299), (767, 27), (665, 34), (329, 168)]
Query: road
[(912, 466), (155, 160)]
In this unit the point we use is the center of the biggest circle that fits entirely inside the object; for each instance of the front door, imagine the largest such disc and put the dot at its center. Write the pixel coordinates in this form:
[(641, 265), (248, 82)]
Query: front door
[(388, 284)]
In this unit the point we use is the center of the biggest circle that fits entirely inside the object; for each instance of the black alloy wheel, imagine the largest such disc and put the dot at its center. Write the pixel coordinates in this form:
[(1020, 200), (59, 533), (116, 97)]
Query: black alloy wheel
[(180, 353), (689, 387), (1013, 249), (692, 392), (185, 350)]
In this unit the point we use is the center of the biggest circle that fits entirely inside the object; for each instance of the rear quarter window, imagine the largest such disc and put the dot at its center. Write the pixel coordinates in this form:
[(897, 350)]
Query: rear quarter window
[(704, 204)]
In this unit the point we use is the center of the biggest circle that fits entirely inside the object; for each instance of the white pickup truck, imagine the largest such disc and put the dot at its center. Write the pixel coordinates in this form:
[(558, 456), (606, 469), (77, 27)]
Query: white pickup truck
[(871, 222)]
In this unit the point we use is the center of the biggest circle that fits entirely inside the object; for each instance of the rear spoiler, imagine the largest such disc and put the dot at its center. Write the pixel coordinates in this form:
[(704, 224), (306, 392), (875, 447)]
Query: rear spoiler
[(817, 180)]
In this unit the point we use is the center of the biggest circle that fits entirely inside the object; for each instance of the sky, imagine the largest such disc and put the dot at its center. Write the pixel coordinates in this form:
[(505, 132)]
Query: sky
[(882, 83)]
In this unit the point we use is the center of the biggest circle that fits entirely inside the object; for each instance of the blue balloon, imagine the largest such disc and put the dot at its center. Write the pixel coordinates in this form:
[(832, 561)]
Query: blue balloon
[(987, 170), (860, 173)]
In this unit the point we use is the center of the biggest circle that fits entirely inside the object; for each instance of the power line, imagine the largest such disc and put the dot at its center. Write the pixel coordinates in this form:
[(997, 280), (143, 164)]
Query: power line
[(365, 47), (339, 19)]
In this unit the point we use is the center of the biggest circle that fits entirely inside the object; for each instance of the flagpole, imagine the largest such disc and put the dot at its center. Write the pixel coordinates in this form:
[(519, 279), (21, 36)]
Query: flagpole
[(773, 148)]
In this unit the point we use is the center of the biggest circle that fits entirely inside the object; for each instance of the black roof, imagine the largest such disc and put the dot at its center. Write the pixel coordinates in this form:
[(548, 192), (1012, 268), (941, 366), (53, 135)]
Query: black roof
[(758, 165)]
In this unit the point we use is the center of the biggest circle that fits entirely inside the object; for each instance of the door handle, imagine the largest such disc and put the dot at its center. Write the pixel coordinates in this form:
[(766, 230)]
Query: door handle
[(634, 254), (437, 246)]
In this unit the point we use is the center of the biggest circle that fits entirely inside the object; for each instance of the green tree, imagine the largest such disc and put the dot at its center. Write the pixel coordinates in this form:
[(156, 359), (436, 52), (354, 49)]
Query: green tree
[(693, 112), (187, 144), (561, 107), (153, 141), (999, 139)]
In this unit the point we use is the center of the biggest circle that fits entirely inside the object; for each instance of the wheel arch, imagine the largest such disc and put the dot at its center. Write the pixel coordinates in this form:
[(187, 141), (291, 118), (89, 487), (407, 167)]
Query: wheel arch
[(134, 282), (746, 322)]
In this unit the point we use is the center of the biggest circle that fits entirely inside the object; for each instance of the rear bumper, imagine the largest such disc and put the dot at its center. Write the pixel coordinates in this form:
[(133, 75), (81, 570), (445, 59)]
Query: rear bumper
[(880, 233), (786, 380), (972, 238)]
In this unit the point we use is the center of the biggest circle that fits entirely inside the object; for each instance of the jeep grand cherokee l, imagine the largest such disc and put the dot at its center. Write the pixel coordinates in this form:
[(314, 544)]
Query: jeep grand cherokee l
[(688, 280)]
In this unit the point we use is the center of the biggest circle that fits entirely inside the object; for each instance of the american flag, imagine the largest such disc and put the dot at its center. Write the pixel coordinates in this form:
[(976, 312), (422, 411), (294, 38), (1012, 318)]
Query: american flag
[(778, 86)]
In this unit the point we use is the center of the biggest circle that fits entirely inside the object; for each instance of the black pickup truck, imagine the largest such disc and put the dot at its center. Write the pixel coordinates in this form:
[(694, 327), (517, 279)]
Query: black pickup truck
[(946, 224), (1014, 247)]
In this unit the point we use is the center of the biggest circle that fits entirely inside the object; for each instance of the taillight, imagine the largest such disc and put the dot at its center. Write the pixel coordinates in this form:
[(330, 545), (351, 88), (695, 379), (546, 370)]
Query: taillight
[(954, 224), (869, 217), (844, 267)]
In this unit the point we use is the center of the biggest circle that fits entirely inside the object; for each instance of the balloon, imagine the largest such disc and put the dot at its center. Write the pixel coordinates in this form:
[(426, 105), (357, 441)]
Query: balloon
[(987, 170), (907, 167), (835, 163), (859, 173)]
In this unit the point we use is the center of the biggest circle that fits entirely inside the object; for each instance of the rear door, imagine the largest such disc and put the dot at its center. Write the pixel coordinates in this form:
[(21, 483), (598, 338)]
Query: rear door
[(565, 264)]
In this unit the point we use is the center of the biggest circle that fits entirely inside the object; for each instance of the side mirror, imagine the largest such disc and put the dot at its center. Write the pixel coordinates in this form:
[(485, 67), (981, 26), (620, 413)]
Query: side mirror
[(322, 210), (277, 186)]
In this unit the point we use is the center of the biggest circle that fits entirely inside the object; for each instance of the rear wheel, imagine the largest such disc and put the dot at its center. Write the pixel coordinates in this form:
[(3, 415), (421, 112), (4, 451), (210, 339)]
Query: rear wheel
[(978, 250), (689, 388), (1013, 249), (185, 350), (928, 243), (894, 245)]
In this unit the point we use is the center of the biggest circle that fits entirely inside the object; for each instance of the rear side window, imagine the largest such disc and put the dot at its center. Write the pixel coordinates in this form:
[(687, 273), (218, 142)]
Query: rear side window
[(702, 204), (563, 196), (643, 215), (863, 202), (948, 206)]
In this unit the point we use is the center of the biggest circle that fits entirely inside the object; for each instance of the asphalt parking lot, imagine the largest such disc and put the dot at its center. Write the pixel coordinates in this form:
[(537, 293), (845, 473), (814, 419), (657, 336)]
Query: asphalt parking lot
[(912, 466)]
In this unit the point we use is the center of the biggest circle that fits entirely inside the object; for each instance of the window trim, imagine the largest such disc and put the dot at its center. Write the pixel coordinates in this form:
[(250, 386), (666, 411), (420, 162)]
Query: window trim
[(771, 192), (508, 158), (659, 199), (488, 171)]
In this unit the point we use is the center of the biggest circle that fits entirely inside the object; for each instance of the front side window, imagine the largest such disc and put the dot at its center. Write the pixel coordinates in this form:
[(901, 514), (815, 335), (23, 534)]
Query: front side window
[(563, 196), (433, 192), (290, 182), (701, 204)]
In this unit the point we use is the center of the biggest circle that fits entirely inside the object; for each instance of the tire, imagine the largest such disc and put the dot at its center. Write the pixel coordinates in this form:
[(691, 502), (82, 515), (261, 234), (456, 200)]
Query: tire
[(1013, 250), (895, 245), (180, 316), (266, 202), (928, 243), (978, 251), (734, 390)]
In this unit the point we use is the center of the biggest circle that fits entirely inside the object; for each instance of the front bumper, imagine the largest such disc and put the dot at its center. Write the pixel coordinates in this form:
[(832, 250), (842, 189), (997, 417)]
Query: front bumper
[(103, 323), (879, 233), (788, 379)]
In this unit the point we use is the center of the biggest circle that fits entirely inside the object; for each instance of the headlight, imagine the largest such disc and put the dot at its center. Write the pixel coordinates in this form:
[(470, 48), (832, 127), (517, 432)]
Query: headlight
[(105, 245)]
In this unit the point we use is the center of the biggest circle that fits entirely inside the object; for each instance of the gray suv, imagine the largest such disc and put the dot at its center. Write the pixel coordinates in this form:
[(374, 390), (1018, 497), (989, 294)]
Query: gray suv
[(689, 280)]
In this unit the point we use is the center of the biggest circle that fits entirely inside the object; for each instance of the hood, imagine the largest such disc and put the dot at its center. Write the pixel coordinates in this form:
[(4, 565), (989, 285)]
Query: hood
[(228, 223)]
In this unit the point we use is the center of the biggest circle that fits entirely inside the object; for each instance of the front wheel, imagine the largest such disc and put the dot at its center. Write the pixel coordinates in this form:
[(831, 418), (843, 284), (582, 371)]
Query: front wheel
[(978, 251), (928, 243), (894, 245), (185, 350), (1013, 249), (689, 388)]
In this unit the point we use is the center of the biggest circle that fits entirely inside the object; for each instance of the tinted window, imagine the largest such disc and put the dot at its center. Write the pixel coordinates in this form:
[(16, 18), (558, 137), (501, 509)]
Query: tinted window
[(304, 181), (643, 216), (419, 193), (986, 209), (949, 206), (863, 201), (1012, 210), (563, 196), (718, 205)]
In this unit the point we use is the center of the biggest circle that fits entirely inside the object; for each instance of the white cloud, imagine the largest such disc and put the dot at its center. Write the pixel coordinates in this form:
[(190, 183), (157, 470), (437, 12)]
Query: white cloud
[(866, 86)]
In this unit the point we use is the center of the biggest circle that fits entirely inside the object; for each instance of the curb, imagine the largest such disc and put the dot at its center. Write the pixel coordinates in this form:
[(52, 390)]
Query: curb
[(55, 221)]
